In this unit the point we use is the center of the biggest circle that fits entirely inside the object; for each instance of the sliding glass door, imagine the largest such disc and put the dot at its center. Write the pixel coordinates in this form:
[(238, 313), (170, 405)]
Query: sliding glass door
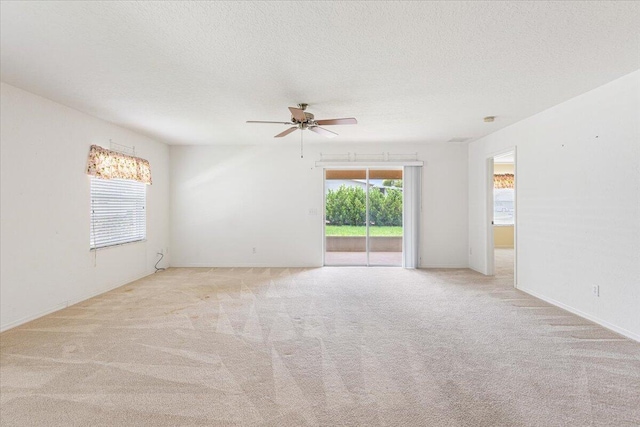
[(385, 217), (363, 217), (345, 217)]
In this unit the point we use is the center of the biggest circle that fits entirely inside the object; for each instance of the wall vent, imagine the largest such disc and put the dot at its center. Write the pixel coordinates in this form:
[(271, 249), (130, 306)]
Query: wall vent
[(458, 139)]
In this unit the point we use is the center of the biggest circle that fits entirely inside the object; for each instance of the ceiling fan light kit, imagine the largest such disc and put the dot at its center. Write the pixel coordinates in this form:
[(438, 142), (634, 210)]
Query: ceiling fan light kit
[(300, 119)]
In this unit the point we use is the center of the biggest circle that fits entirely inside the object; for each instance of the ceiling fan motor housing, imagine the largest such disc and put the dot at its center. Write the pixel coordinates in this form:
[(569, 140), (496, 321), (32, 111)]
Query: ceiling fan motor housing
[(309, 118), (303, 120)]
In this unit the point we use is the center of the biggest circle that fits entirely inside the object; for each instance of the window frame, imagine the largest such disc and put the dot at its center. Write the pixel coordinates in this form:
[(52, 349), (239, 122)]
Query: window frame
[(133, 197), (501, 223)]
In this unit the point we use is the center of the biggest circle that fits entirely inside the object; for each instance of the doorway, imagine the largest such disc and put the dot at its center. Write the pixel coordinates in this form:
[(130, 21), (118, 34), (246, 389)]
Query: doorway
[(363, 217), (503, 216)]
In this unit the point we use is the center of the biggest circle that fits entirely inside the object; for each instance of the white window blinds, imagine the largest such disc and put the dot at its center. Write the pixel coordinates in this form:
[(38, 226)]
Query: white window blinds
[(412, 211), (118, 212)]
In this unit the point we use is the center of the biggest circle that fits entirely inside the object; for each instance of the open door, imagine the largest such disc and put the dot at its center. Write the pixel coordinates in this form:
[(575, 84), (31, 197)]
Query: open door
[(502, 238)]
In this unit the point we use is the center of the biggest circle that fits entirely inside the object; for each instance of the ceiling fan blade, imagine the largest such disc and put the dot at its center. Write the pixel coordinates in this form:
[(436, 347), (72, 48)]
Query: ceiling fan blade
[(298, 114), (347, 121), (323, 132), (286, 132), (280, 123)]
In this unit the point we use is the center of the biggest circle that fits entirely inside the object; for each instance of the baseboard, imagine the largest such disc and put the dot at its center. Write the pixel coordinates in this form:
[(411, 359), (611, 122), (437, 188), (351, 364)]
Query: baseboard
[(28, 319), (443, 266), (69, 303), (243, 265), (258, 265), (582, 314)]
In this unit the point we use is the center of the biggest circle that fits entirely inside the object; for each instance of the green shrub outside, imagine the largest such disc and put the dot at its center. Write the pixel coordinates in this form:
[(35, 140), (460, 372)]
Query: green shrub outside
[(347, 206)]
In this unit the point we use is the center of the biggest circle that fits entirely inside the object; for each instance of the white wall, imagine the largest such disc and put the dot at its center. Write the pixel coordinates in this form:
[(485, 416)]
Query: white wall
[(226, 200), (578, 203), (46, 262)]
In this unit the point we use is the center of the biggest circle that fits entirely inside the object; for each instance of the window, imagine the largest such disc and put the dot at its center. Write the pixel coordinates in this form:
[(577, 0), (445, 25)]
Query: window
[(503, 199), (117, 212)]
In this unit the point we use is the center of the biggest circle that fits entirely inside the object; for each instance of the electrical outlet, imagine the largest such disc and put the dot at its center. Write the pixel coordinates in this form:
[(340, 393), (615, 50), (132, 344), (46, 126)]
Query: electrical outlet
[(595, 290), (161, 251), (253, 250), (313, 211)]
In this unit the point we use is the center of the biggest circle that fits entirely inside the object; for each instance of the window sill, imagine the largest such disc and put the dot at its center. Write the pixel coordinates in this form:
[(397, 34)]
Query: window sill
[(118, 245)]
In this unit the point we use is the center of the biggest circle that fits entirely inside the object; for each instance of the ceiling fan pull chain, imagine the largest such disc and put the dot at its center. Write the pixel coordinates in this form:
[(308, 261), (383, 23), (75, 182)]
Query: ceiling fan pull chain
[(301, 155)]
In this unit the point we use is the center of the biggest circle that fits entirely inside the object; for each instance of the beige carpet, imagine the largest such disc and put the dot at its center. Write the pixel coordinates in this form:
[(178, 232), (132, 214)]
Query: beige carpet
[(329, 346)]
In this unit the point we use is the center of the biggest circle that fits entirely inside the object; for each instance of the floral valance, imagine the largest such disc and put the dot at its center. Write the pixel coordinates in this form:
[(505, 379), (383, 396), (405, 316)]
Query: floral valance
[(108, 164), (503, 180)]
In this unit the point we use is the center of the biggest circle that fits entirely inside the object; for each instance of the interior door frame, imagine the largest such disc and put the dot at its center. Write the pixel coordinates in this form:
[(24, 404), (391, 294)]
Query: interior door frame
[(490, 261), (490, 252)]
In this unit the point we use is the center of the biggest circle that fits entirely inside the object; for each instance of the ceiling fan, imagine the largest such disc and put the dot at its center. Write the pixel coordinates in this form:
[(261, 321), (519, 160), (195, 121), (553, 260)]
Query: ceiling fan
[(303, 120)]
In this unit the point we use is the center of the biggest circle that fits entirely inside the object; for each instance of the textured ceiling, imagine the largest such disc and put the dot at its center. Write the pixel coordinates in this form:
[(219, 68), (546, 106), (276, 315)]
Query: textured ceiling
[(192, 73)]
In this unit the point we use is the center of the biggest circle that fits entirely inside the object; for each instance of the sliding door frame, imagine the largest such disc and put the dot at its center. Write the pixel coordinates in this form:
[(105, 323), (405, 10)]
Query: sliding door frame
[(366, 217), (367, 168)]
